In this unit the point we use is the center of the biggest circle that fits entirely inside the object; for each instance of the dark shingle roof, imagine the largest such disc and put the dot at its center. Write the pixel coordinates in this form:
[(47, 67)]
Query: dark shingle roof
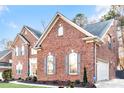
[(99, 28), (4, 52), (37, 33)]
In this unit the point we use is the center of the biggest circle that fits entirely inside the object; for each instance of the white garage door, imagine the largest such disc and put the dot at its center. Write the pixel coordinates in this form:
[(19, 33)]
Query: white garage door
[(102, 71)]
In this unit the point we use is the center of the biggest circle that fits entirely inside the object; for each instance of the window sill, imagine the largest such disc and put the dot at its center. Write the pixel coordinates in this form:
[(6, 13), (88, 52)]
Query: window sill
[(73, 74)]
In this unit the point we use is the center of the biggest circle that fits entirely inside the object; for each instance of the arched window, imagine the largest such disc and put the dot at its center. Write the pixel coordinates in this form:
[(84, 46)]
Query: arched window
[(19, 68), (50, 64), (60, 30), (73, 63)]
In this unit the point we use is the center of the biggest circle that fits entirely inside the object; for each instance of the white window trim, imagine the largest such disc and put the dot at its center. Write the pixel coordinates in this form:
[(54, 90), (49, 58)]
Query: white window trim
[(17, 51), (23, 50), (33, 51), (19, 66), (60, 30), (34, 62), (76, 73), (52, 64)]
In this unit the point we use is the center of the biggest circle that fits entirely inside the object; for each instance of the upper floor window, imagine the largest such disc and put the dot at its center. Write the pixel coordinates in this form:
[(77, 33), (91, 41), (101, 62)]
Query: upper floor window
[(23, 50), (60, 30), (33, 51), (109, 41), (19, 68), (17, 51)]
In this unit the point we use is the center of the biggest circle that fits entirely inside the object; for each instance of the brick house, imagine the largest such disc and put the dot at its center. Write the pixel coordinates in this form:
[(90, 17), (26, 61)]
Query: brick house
[(64, 49), (24, 56), (5, 61)]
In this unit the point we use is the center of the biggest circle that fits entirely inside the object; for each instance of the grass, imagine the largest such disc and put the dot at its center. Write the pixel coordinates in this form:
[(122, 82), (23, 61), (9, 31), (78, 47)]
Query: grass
[(11, 85)]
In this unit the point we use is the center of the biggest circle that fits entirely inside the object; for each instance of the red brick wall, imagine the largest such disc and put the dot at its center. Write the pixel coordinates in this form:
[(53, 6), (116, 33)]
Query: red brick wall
[(109, 55), (25, 58), (60, 46)]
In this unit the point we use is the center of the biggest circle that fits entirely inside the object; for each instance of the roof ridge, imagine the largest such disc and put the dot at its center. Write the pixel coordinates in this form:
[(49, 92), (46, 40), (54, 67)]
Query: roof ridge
[(34, 31)]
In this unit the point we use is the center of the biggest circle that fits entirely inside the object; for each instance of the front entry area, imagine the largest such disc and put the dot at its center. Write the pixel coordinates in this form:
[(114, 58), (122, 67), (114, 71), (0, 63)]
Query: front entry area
[(33, 66), (102, 70)]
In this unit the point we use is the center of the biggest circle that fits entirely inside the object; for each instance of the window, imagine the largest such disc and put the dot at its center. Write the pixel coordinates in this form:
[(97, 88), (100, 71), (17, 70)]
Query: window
[(25, 32), (33, 51), (23, 50), (73, 63), (50, 64), (17, 53), (109, 42), (19, 68), (60, 30)]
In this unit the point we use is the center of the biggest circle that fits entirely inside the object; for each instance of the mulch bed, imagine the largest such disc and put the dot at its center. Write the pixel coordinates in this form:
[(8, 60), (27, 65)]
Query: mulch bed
[(60, 83)]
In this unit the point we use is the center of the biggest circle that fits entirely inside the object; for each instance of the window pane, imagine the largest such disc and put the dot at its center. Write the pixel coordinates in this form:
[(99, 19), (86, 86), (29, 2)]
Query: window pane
[(73, 63), (50, 68), (60, 31)]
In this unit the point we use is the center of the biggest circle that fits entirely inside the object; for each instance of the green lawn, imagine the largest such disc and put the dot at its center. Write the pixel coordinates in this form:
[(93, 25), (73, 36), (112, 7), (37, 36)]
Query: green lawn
[(10, 85)]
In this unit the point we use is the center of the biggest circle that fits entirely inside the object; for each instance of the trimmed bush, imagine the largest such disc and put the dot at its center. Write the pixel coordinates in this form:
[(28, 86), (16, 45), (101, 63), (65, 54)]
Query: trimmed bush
[(28, 78), (34, 79), (77, 81), (7, 75)]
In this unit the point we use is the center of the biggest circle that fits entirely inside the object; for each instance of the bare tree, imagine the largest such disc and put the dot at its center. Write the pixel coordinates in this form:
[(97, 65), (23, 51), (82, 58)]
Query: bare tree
[(5, 44)]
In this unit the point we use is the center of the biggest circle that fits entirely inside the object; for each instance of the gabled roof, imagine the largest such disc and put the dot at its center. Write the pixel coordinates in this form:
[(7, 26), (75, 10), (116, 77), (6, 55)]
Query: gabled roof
[(99, 28), (96, 30), (4, 53), (22, 38), (54, 20), (36, 33)]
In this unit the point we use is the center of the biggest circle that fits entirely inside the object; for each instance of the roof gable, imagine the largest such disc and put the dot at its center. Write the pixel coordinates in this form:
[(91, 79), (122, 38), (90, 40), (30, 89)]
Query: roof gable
[(34, 32), (4, 53), (22, 38), (54, 20)]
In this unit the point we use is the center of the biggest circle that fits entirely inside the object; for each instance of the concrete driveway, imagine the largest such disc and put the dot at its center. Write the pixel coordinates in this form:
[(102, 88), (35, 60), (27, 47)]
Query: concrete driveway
[(115, 83)]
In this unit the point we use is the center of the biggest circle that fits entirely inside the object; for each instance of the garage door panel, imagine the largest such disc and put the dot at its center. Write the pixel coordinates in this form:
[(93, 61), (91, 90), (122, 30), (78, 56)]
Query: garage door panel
[(102, 71)]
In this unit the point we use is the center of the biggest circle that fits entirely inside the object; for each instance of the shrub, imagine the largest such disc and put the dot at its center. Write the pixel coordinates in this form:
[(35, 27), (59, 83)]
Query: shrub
[(72, 85), (7, 74), (19, 78), (77, 81), (90, 85), (34, 79), (85, 77), (68, 82), (29, 78)]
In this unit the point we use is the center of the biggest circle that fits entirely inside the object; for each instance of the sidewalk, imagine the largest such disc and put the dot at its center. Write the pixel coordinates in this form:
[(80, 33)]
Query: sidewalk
[(42, 85)]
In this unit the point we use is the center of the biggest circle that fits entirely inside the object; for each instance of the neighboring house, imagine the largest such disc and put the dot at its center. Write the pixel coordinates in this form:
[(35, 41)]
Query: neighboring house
[(120, 35), (5, 61), (24, 56), (64, 49)]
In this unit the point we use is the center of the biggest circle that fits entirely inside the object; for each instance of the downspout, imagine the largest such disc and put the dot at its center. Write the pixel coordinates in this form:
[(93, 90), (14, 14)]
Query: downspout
[(28, 59), (95, 76)]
